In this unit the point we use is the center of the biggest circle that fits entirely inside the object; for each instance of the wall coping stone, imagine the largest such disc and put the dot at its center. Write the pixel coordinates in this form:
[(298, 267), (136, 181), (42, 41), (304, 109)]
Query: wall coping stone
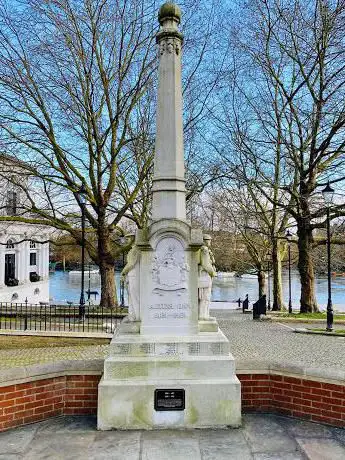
[(332, 375), (23, 374), (17, 375), (85, 335)]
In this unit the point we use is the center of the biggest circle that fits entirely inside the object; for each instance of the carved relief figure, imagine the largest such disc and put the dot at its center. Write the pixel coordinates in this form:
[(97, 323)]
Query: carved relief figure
[(131, 276), (207, 272)]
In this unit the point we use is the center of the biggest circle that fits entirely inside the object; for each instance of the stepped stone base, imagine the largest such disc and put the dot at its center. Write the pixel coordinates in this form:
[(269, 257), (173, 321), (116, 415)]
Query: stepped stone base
[(200, 364)]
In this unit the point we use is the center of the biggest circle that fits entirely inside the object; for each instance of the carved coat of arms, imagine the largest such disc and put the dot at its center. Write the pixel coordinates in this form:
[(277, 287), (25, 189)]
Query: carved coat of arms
[(169, 268)]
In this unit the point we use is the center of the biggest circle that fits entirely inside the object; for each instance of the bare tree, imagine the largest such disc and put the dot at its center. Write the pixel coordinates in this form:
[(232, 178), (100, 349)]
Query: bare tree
[(78, 107), (71, 76), (290, 79), (240, 214)]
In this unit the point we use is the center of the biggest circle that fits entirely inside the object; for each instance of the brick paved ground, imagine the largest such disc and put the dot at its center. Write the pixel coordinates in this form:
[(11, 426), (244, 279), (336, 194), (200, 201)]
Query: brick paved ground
[(276, 342), (26, 357), (249, 340)]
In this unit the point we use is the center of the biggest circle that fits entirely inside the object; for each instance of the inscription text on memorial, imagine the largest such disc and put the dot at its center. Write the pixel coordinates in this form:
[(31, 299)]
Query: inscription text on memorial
[(169, 400)]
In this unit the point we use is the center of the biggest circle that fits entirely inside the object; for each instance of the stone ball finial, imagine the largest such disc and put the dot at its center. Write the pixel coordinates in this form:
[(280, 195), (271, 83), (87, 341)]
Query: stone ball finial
[(169, 10)]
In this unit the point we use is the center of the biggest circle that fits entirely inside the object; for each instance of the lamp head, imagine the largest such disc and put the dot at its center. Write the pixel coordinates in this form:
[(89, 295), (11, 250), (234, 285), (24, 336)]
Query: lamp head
[(82, 193), (288, 236), (328, 194)]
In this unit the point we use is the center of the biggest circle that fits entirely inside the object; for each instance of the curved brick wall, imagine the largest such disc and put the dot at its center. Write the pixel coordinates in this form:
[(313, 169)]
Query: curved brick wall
[(313, 400), (70, 388), (35, 401)]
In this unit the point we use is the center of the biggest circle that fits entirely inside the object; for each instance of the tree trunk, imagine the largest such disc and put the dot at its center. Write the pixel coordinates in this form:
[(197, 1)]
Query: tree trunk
[(306, 267), (107, 271), (262, 282), (277, 249), (108, 288)]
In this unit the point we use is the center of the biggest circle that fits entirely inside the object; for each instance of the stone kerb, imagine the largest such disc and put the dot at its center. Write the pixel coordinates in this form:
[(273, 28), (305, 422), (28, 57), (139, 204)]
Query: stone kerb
[(35, 393)]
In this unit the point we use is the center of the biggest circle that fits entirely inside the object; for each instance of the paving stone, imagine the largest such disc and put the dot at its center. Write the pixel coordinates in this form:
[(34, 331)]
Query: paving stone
[(16, 441), (222, 438), (172, 434), (284, 456), (226, 453), (299, 428), (115, 445), (168, 448), (264, 435), (322, 449), (339, 433), (11, 457), (68, 424), (60, 446), (223, 445)]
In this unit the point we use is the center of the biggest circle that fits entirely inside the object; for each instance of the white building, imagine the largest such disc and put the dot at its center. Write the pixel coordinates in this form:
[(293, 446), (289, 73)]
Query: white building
[(24, 250)]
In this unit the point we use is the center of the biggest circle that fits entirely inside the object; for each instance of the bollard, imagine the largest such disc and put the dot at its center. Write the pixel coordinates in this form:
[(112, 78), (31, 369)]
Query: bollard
[(245, 304), (259, 307)]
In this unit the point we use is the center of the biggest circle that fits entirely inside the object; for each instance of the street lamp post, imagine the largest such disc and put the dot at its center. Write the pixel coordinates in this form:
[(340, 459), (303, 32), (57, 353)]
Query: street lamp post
[(82, 196), (268, 258), (122, 281), (328, 194), (89, 285), (288, 237)]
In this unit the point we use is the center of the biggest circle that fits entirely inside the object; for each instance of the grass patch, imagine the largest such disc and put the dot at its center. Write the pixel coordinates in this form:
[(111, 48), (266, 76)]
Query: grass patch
[(8, 342), (316, 315), (321, 315)]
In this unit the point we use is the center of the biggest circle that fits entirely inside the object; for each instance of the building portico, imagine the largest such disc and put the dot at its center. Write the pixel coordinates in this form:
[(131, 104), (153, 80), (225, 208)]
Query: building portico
[(24, 264)]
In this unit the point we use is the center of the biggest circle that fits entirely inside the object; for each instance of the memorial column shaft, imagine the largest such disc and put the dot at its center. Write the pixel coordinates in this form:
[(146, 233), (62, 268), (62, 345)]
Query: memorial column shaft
[(169, 199)]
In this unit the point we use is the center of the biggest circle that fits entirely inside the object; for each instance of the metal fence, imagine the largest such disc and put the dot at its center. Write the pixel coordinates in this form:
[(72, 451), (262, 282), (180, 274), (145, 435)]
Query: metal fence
[(69, 318)]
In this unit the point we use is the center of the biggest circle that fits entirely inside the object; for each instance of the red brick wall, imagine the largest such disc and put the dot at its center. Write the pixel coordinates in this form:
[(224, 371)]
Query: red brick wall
[(35, 401), (77, 395), (308, 399)]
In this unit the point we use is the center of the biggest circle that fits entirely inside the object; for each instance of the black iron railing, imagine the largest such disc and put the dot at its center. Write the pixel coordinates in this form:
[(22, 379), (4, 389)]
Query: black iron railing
[(48, 317)]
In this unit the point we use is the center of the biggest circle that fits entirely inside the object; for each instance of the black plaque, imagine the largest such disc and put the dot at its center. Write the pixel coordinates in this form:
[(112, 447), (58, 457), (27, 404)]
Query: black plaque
[(169, 400)]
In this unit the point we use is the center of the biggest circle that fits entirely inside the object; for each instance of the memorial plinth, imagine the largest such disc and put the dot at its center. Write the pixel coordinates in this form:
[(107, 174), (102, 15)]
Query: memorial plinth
[(169, 365)]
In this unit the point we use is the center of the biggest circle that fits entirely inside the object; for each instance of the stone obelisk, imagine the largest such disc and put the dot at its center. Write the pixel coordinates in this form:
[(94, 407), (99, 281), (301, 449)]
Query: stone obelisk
[(169, 365), (169, 194)]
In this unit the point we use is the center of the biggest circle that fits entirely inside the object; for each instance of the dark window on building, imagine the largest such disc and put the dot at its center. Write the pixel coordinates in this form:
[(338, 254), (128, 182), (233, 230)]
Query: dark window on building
[(33, 258), (11, 203), (10, 269)]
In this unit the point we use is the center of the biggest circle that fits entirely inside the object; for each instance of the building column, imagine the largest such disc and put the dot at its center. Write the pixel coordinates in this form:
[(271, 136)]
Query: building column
[(20, 262), (40, 261), (45, 261), (26, 261)]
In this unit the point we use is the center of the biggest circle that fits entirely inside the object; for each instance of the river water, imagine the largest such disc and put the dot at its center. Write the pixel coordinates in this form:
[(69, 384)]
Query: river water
[(64, 287)]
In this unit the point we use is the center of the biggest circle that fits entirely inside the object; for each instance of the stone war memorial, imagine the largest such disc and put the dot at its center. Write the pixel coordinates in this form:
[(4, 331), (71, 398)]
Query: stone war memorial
[(169, 364)]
